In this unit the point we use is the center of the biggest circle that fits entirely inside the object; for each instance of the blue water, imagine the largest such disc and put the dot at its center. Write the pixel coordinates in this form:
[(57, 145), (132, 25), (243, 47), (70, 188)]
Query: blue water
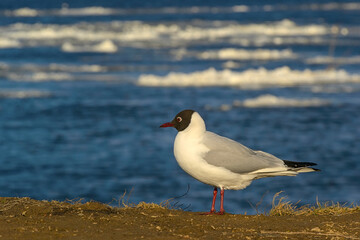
[(75, 123)]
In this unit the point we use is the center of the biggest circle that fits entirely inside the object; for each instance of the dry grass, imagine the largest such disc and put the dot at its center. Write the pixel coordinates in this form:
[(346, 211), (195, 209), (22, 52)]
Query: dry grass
[(282, 207), (123, 202), (144, 205)]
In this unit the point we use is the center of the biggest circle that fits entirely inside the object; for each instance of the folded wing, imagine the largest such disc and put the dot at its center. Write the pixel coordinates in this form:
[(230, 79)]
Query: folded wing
[(231, 155)]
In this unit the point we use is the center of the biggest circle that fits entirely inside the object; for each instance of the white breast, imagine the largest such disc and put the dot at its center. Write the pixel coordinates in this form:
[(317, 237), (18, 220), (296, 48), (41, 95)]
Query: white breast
[(188, 151)]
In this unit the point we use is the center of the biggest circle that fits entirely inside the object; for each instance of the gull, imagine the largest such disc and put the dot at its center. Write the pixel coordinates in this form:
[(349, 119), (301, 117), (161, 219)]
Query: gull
[(221, 162)]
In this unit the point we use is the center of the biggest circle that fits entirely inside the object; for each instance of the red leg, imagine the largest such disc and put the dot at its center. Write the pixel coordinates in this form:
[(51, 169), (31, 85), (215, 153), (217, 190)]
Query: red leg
[(212, 211), (213, 202), (222, 202)]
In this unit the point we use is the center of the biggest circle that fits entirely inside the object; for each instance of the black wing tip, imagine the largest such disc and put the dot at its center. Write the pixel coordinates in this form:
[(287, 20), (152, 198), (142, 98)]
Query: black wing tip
[(316, 169), (292, 164)]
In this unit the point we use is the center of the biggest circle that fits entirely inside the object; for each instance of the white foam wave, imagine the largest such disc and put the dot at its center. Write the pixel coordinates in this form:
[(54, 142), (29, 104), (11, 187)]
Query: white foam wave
[(137, 33), (269, 100), (85, 33), (231, 64), (24, 94), (61, 76), (87, 11), (9, 43), (40, 77), (252, 78), (334, 60), (74, 68), (351, 6), (260, 41), (24, 12), (52, 67), (106, 46), (102, 11), (281, 28), (239, 54), (335, 89), (65, 11)]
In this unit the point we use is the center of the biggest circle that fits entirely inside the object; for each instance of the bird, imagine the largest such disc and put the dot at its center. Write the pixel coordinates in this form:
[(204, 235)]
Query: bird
[(222, 162)]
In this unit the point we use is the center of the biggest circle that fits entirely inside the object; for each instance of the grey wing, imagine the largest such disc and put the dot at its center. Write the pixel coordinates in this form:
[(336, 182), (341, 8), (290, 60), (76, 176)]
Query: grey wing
[(226, 153)]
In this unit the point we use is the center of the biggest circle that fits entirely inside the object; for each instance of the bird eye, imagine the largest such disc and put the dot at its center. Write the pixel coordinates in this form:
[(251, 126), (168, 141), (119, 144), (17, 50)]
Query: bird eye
[(179, 119)]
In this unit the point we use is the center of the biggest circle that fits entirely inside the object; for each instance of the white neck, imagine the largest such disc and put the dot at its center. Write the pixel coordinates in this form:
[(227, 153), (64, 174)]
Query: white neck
[(196, 126)]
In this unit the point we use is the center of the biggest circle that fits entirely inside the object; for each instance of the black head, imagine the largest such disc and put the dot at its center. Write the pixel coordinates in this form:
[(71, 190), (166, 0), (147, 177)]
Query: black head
[(181, 120)]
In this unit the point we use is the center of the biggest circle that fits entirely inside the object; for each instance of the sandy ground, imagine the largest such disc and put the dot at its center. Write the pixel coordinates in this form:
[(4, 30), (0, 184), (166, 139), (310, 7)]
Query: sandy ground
[(24, 218)]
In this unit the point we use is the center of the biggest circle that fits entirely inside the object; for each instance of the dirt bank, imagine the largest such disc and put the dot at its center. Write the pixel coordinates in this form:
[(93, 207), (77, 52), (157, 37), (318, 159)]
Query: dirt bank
[(24, 218)]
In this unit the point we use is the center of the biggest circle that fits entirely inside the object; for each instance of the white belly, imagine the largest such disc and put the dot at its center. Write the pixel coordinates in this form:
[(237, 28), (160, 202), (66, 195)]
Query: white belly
[(188, 152)]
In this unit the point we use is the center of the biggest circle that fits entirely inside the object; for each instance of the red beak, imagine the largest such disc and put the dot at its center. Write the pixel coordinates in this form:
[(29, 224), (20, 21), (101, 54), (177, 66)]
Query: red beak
[(168, 124)]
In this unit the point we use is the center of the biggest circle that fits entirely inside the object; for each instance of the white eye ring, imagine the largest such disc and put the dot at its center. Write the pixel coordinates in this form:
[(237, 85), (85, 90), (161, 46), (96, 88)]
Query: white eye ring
[(179, 119)]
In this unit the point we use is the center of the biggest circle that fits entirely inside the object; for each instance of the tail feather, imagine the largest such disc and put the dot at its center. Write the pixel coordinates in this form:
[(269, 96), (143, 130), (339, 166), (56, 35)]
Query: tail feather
[(301, 166)]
